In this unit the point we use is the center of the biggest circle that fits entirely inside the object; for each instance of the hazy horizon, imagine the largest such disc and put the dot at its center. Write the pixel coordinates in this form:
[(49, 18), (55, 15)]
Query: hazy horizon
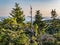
[(45, 6)]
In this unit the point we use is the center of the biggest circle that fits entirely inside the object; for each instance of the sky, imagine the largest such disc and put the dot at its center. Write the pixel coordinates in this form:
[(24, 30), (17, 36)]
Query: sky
[(45, 6)]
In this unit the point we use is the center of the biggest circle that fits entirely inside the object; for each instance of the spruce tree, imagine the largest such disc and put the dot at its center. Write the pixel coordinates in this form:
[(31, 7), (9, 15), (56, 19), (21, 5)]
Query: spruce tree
[(17, 13), (52, 28), (38, 20), (54, 15)]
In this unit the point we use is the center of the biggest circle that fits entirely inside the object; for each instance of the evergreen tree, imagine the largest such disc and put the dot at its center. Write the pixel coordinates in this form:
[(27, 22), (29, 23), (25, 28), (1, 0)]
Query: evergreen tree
[(17, 13), (53, 14), (52, 28), (38, 20)]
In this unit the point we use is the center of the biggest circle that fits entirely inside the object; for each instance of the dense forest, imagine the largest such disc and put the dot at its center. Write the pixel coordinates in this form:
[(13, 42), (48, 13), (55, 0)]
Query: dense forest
[(14, 31)]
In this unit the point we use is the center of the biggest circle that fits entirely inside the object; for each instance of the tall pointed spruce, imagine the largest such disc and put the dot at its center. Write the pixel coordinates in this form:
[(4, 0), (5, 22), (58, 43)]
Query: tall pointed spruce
[(17, 13), (38, 20)]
